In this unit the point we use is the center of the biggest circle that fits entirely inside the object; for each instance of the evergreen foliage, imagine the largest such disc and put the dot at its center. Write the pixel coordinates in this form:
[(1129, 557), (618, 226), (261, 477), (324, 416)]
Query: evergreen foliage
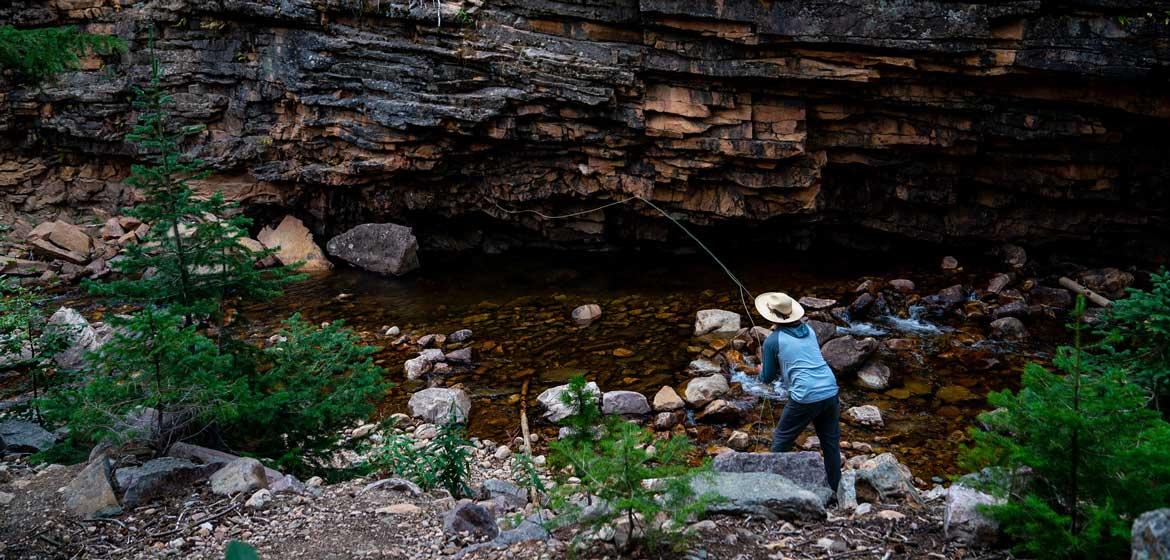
[(1077, 454), (444, 462), (614, 463), (28, 341), (1136, 336), (311, 385), (39, 54)]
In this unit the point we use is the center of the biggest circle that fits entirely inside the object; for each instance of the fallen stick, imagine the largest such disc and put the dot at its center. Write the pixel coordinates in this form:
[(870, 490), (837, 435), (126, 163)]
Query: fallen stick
[(532, 495), (1077, 288)]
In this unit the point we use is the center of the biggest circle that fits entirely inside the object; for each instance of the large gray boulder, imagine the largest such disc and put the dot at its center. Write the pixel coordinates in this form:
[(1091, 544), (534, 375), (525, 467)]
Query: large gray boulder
[(244, 475), (703, 390), (806, 469), (624, 403), (824, 331), (158, 478), (962, 520), (439, 405), (846, 354), (874, 375), (381, 248), (93, 492), (468, 517), (883, 479), (554, 409), (762, 494), (1151, 535), (20, 436), (710, 321), (79, 336)]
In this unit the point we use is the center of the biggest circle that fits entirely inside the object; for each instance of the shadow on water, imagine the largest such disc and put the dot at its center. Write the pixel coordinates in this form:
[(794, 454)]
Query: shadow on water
[(518, 305)]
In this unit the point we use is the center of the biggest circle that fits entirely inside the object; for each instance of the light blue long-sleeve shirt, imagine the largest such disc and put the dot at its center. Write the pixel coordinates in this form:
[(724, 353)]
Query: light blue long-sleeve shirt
[(793, 355)]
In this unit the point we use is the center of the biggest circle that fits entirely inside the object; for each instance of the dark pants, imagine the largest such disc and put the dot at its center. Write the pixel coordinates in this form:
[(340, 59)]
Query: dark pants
[(825, 418)]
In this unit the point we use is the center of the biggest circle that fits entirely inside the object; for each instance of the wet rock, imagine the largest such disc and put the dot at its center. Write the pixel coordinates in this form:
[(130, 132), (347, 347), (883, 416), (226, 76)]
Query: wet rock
[(810, 303), (585, 315), (93, 492), (1010, 309), (293, 242), (460, 336), (158, 478), (624, 403), (383, 248), (739, 441), (1151, 535), (1053, 298), (20, 436), (239, 476), (664, 421), (1013, 256), (460, 356), (874, 375), (721, 412), (902, 285), (439, 405), (962, 520), (472, 519), (666, 400), (952, 394), (866, 415), (806, 469), (79, 336), (861, 304), (998, 283), (1008, 328), (824, 331), (703, 390), (953, 295), (761, 494), (847, 353), (883, 479), (1109, 282), (704, 367), (950, 264), (710, 321), (555, 410)]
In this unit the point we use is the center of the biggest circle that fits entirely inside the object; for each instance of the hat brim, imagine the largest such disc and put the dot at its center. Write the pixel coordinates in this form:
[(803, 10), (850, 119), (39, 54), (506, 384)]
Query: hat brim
[(763, 308)]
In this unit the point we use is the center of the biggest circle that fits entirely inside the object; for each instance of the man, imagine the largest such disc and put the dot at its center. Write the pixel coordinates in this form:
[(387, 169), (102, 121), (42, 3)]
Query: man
[(793, 355)]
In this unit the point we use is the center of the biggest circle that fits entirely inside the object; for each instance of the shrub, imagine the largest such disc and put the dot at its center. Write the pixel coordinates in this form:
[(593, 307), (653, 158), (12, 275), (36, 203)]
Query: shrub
[(622, 481), (27, 340), (443, 462), (1136, 336), (309, 388), (39, 54), (1082, 455)]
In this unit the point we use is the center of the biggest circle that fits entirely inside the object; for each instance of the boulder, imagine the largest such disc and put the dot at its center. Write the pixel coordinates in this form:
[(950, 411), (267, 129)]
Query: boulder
[(902, 285), (416, 368), (702, 390), (79, 336), (585, 315), (47, 250), (1151, 535), (624, 403), (1109, 282), (806, 469), (472, 519), (293, 242), (739, 441), (759, 493), (1010, 309), (93, 492), (438, 405), (1008, 328), (555, 410), (962, 520), (256, 247), (664, 421), (883, 479), (1054, 298), (846, 354), (158, 478), (460, 356), (514, 496), (866, 415), (703, 367), (460, 336), (382, 248), (860, 304), (720, 411), (998, 283), (242, 475), (20, 436), (874, 375), (810, 303), (710, 321), (824, 331), (951, 295), (64, 235), (1013, 256), (666, 400)]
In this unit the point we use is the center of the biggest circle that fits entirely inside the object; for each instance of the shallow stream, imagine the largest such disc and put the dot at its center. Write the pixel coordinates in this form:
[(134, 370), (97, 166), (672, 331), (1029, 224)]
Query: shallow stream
[(518, 306)]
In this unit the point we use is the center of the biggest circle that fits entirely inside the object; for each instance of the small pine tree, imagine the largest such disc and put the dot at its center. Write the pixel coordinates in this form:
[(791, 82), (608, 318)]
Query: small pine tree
[(39, 54), (311, 385), (1076, 455), (613, 462), (192, 257), (27, 340), (154, 362), (1136, 336), (444, 462)]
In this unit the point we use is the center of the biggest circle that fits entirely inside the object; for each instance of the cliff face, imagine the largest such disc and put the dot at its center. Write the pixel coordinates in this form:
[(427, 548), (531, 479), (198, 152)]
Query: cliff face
[(939, 120)]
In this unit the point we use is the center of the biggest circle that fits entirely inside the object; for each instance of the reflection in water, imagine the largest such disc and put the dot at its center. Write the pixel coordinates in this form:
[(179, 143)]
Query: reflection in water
[(518, 305)]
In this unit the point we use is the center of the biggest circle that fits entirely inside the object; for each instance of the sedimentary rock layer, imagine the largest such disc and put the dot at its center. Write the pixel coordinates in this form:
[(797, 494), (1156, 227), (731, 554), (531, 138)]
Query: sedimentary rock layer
[(934, 120)]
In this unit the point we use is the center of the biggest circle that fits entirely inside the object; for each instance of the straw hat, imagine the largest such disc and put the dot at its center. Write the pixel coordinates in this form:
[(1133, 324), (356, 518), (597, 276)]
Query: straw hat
[(779, 308)]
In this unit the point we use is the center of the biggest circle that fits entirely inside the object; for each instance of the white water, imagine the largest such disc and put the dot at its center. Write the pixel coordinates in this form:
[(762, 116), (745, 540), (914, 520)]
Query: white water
[(914, 324), (752, 386)]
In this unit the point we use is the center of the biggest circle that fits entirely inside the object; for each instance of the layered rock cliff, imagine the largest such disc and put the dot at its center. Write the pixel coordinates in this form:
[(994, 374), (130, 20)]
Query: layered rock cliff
[(937, 120)]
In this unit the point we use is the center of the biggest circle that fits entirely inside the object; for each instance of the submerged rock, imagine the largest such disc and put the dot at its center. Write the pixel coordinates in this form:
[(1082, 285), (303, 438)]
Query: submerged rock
[(382, 248)]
